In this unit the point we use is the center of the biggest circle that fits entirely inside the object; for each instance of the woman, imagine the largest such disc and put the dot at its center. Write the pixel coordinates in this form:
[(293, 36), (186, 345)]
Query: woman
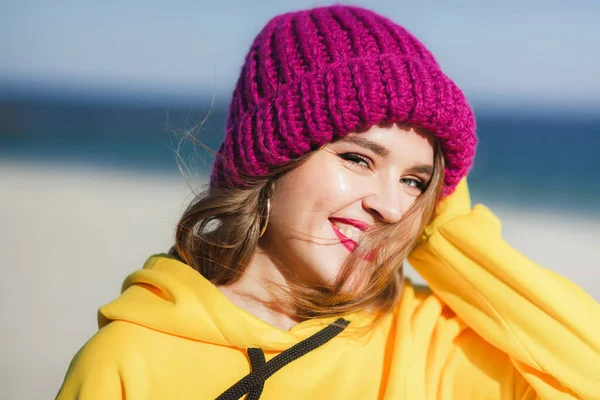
[(346, 152)]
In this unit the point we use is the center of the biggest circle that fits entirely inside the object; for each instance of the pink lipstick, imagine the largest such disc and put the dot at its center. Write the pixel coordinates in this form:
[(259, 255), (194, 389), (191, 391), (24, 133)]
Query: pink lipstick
[(346, 241), (354, 222)]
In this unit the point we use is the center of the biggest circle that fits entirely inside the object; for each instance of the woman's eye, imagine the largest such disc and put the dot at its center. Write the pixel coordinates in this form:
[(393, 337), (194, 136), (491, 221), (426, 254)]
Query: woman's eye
[(357, 159), (414, 184)]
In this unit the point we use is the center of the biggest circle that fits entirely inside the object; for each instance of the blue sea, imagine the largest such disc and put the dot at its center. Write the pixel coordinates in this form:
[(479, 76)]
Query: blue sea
[(547, 159)]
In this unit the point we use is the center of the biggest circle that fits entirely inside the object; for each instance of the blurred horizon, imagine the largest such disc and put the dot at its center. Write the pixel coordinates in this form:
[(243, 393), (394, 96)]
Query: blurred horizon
[(523, 159), (56, 93)]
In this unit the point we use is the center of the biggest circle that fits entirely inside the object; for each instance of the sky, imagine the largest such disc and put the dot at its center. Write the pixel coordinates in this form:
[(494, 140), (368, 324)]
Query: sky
[(535, 53)]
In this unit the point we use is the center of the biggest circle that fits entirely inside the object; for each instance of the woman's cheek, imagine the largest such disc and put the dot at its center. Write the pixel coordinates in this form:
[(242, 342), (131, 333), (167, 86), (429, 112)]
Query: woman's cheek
[(343, 184), (348, 180)]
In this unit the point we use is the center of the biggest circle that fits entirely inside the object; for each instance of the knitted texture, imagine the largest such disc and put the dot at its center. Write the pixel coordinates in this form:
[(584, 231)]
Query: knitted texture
[(314, 76)]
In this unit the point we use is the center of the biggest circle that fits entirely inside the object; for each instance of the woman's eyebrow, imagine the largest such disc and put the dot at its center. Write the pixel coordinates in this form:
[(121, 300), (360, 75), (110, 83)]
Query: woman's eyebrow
[(368, 144)]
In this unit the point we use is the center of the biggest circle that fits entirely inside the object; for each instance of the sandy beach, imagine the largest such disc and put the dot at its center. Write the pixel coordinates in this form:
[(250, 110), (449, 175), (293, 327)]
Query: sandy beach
[(70, 235)]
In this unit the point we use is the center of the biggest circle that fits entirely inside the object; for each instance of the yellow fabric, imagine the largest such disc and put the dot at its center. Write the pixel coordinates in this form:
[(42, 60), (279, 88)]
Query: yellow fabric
[(495, 326)]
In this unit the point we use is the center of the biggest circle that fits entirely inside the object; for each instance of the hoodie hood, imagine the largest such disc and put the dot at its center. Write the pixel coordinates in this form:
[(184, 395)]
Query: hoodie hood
[(171, 297)]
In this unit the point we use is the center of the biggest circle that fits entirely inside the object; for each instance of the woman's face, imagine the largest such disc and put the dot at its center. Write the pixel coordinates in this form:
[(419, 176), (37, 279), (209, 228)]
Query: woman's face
[(320, 209)]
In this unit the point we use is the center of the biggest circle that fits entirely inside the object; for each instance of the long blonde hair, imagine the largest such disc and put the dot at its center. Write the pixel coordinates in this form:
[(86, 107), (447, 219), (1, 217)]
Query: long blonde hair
[(218, 236)]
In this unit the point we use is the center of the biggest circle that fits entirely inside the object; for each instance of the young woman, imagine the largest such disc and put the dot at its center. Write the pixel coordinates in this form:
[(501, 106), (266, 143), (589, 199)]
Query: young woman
[(346, 152)]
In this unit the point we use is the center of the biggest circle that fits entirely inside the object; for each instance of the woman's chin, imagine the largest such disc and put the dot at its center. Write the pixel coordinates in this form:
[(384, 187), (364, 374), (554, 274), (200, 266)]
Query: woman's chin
[(329, 273)]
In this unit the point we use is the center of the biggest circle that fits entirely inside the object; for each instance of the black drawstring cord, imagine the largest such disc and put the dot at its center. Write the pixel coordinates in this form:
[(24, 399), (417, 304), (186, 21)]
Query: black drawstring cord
[(254, 382), (257, 360)]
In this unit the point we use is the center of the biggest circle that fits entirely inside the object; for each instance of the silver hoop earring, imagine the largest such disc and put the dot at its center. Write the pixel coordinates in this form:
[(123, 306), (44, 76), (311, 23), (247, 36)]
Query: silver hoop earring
[(264, 228)]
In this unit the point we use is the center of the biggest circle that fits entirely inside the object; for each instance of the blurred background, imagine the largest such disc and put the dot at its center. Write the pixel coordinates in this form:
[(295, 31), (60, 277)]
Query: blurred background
[(96, 96)]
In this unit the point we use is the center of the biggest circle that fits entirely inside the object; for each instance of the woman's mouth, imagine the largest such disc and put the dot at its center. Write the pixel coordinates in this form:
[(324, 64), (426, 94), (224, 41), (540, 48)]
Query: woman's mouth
[(346, 228), (346, 241)]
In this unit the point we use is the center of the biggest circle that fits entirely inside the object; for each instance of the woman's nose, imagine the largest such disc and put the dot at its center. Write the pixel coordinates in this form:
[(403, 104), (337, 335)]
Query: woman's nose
[(386, 202)]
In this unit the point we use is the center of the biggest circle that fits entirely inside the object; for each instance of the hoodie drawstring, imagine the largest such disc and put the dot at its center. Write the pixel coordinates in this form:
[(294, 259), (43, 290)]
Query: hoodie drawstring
[(254, 382), (257, 360)]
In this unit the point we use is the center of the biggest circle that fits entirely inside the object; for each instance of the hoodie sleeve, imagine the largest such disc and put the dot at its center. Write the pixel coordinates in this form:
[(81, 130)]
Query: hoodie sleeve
[(531, 331), (94, 372)]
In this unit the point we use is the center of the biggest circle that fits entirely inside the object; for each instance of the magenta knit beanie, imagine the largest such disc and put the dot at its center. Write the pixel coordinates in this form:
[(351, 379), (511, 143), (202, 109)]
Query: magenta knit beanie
[(315, 76)]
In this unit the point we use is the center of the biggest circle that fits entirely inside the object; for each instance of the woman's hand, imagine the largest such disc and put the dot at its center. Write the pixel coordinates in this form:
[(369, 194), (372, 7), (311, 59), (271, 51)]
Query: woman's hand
[(458, 204)]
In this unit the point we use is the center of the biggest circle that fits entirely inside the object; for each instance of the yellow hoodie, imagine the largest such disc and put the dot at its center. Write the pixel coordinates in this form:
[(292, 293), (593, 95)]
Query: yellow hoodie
[(494, 326)]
